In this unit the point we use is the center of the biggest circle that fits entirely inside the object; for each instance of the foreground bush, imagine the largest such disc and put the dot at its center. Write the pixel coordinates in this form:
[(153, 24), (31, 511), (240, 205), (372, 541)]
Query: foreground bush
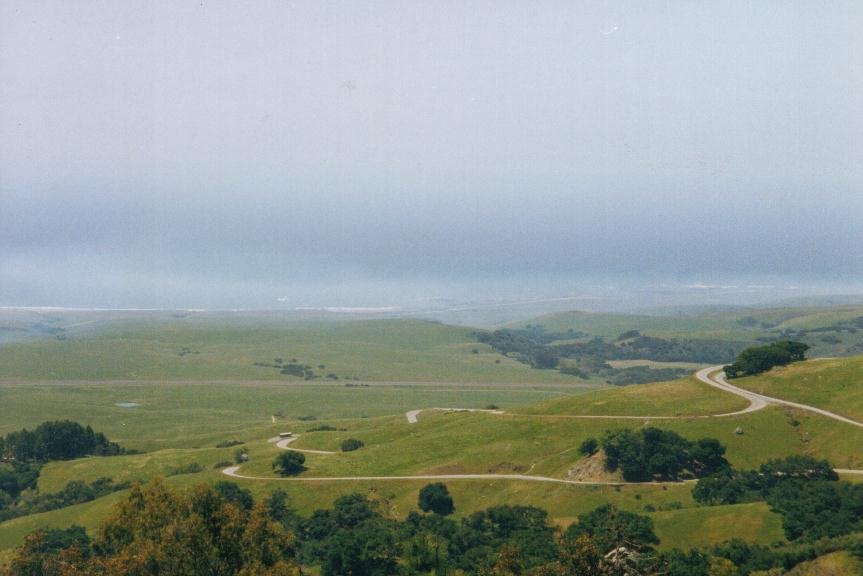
[(156, 531)]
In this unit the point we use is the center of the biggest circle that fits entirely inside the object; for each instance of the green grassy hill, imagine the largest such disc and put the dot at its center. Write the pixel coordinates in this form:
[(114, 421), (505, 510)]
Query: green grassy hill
[(179, 422), (684, 397), (831, 384), (221, 349)]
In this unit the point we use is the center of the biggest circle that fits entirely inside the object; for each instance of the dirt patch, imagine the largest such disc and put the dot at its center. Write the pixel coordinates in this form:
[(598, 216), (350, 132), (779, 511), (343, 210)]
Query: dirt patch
[(592, 469), (507, 467), (447, 469)]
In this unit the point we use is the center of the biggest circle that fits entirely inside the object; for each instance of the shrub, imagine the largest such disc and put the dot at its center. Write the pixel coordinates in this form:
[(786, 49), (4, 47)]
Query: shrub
[(229, 443), (760, 359), (435, 498), (190, 468), (351, 444), (289, 463), (325, 428), (589, 447), (611, 528)]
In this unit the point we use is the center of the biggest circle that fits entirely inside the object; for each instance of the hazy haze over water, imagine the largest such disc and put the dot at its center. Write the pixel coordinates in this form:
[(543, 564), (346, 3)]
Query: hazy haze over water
[(372, 154)]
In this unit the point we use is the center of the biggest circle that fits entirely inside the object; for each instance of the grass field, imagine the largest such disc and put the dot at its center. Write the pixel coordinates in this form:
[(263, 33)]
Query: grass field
[(834, 564), (180, 425), (684, 397), (188, 415), (186, 404), (835, 385), (220, 350)]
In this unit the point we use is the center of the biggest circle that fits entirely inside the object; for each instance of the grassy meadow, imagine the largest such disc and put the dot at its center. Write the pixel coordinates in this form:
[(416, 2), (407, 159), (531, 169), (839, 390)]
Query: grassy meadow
[(185, 404), (831, 384), (220, 349)]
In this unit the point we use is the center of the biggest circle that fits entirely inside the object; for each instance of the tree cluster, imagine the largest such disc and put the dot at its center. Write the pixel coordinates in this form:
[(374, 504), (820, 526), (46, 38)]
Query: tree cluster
[(805, 491), (654, 454), (758, 359), (589, 357), (75, 492), (156, 531), (223, 530), (58, 440)]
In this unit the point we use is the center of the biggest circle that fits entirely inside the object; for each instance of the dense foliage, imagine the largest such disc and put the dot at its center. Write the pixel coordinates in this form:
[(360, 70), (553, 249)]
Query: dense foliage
[(610, 527), (75, 492), (760, 359), (22, 454), (435, 498), (577, 354), (289, 463), (351, 444), (655, 454), (59, 440), (223, 530), (805, 491), (157, 531)]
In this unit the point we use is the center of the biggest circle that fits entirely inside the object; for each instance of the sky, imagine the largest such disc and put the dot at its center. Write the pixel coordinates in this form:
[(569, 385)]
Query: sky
[(224, 154)]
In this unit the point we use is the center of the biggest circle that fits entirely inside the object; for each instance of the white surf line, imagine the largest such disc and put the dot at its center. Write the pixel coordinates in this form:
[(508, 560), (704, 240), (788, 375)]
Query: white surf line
[(716, 378)]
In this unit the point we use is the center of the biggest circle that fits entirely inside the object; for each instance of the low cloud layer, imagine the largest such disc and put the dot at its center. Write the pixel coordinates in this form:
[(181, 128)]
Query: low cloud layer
[(209, 154)]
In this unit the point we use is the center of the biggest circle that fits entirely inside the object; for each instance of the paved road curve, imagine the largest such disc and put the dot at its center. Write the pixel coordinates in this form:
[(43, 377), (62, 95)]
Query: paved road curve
[(716, 378)]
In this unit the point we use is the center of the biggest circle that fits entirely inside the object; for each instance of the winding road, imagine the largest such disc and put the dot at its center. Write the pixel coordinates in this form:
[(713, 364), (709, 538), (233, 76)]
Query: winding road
[(712, 376), (716, 378)]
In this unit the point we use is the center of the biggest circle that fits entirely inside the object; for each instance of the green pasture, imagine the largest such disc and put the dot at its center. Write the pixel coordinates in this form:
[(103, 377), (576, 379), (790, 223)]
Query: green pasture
[(222, 350), (835, 384), (684, 397)]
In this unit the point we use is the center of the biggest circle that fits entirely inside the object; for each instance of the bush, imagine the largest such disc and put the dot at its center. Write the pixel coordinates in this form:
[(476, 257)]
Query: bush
[(611, 527), (435, 498), (289, 463), (589, 447), (229, 443), (760, 359), (325, 428), (351, 444), (231, 492), (655, 454), (190, 468)]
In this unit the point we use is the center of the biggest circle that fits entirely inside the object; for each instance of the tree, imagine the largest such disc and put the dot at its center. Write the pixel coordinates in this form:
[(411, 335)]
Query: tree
[(436, 498), (289, 463), (231, 492), (758, 359), (351, 444), (589, 447), (611, 528), (580, 556)]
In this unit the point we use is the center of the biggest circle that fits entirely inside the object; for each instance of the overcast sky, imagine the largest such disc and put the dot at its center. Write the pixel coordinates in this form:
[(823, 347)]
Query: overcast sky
[(229, 154)]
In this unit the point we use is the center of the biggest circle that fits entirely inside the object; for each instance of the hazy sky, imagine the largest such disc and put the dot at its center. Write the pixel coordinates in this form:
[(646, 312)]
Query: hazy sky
[(228, 154)]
